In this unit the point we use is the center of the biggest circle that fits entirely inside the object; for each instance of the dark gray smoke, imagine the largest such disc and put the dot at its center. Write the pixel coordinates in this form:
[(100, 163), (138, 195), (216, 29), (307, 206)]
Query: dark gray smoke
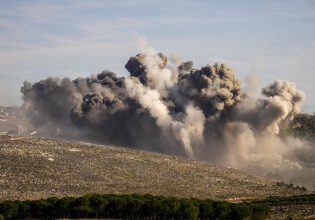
[(175, 109)]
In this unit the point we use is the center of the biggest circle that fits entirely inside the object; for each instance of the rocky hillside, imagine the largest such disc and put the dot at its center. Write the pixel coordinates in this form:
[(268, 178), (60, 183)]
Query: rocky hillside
[(33, 168)]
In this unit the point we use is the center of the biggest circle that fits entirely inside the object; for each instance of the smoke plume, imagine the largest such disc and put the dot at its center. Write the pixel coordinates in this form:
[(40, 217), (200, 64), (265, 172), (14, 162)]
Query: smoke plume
[(174, 108)]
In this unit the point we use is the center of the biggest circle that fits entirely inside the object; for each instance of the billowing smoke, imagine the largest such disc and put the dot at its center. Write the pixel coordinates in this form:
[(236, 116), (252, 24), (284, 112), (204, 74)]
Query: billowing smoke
[(174, 108)]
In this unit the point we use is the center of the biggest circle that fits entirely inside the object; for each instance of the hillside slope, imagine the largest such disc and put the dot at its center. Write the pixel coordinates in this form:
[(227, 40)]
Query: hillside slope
[(32, 168)]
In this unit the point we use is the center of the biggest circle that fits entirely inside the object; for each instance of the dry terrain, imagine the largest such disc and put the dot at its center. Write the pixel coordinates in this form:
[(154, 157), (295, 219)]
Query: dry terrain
[(32, 168), (293, 211)]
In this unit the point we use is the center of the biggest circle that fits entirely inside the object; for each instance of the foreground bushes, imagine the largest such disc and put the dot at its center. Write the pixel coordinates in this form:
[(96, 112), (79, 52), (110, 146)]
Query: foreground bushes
[(130, 206)]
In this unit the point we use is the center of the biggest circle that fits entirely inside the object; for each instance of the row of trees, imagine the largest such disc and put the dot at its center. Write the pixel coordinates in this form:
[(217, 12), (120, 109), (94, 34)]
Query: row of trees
[(130, 206), (295, 199)]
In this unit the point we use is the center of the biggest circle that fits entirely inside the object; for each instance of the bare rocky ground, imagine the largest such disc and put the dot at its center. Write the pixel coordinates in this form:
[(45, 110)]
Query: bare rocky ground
[(33, 168)]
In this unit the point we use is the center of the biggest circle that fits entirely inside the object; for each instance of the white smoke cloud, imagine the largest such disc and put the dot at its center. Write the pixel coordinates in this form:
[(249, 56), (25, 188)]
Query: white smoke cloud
[(150, 99)]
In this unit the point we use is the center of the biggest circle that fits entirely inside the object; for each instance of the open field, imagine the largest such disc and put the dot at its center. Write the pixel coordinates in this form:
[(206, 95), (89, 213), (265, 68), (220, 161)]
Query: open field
[(33, 168)]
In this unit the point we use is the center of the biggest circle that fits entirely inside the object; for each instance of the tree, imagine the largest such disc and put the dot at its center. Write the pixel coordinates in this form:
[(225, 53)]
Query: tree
[(98, 205), (39, 208), (9, 209), (24, 210), (222, 210), (80, 207), (241, 211), (62, 206), (189, 210), (206, 209)]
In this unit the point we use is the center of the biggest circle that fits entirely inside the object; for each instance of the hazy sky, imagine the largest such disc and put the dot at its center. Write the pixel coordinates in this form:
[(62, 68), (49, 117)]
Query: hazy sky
[(271, 39)]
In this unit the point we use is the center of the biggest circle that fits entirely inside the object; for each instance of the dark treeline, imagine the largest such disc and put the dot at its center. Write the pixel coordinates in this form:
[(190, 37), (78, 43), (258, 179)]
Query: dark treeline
[(295, 199), (130, 206)]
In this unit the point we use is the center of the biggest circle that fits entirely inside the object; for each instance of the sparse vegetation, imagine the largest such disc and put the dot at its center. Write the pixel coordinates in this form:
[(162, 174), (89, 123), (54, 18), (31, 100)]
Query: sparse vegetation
[(303, 125), (290, 207), (290, 199), (131, 206), (35, 168), (291, 186)]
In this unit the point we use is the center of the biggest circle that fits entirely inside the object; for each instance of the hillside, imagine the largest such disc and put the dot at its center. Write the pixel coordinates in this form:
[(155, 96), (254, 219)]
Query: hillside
[(303, 125), (33, 168)]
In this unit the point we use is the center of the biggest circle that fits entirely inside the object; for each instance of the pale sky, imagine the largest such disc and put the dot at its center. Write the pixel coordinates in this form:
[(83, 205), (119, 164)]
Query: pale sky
[(273, 39)]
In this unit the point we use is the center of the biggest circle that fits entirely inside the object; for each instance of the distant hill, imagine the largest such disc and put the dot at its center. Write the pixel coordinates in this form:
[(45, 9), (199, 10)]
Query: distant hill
[(303, 125), (33, 168), (13, 120)]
